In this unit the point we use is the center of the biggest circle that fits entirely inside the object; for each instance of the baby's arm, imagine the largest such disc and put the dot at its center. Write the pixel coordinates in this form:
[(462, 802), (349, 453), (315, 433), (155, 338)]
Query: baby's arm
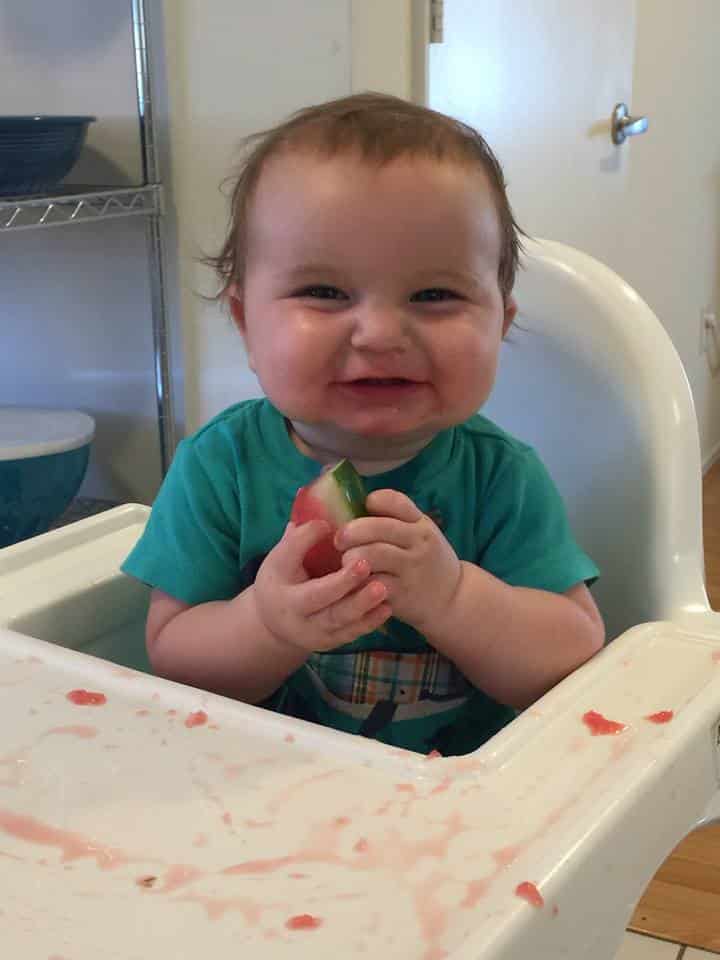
[(514, 643), (248, 646), (221, 646)]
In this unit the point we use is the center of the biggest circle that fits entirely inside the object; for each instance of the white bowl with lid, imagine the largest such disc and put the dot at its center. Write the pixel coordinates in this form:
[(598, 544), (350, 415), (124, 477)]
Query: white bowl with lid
[(43, 458)]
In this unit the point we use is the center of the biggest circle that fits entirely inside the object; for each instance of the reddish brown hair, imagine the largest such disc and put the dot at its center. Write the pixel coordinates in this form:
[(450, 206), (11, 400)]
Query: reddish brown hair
[(380, 128)]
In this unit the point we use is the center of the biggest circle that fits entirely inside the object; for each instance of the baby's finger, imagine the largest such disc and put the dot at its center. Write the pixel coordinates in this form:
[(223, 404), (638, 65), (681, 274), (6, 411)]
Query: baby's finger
[(373, 620), (366, 530), (392, 503), (317, 595), (381, 557), (296, 542), (353, 608)]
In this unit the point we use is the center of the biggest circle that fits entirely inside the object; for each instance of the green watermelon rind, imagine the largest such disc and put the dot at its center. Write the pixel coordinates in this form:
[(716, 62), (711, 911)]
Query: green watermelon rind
[(342, 491), (351, 486)]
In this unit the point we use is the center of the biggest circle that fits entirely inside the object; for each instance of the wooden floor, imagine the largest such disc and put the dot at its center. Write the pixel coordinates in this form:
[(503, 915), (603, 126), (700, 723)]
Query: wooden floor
[(683, 901)]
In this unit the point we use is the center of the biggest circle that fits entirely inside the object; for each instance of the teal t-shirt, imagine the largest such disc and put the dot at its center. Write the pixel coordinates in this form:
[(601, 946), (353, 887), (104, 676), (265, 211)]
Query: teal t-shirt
[(225, 504)]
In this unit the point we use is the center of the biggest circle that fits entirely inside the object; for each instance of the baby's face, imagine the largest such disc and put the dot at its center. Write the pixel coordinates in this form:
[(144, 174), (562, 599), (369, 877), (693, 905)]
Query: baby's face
[(370, 307)]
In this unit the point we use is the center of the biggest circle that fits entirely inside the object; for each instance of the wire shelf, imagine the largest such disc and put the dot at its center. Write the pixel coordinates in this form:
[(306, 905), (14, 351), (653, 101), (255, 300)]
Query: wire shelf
[(79, 206)]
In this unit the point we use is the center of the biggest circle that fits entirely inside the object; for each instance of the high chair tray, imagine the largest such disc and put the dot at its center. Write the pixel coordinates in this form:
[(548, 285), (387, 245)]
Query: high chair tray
[(140, 818)]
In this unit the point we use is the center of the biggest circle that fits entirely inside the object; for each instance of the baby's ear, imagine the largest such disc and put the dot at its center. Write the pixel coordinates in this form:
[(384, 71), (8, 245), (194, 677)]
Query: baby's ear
[(236, 301), (510, 310), (234, 297)]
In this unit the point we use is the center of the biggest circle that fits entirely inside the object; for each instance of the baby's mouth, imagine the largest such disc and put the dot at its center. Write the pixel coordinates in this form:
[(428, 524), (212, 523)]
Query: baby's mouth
[(382, 381), (381, 389)]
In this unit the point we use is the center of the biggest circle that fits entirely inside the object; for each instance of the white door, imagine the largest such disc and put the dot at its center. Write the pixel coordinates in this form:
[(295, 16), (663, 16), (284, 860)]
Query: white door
[(539, 79)]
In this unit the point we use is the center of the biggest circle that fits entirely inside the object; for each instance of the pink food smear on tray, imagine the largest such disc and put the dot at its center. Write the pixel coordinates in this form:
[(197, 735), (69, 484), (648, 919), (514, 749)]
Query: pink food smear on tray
[(444, 785), (600, 726), (324, 842), (196, 719), (507, 855), (180, 875), (528, 891), (662, 716), (74, 730), (480, 887), (303, 921), (74, 846), (432, 916), (86, 698), (217, 907)]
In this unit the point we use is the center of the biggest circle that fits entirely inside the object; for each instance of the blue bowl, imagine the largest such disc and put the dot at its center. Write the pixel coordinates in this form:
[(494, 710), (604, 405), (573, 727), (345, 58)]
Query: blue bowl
[(37, 152), (43, 458), (34, 491)]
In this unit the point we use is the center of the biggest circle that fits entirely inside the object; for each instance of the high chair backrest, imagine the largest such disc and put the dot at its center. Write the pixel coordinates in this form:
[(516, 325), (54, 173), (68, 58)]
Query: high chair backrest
[(589, 377)]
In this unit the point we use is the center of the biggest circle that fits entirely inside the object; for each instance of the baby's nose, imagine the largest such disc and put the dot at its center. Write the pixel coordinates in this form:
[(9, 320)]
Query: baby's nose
[(379, 328)]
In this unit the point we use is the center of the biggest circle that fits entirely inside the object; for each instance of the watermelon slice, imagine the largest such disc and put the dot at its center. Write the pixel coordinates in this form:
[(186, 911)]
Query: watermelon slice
[(337, 496)]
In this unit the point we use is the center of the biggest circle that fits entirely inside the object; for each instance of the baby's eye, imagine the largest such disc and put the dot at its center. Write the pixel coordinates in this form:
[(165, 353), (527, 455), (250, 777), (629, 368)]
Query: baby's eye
[(320, 291), (434, 295)]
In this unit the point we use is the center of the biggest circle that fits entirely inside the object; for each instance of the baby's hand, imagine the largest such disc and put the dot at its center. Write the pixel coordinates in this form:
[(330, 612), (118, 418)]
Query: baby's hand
[(406, 552), (318, 614)]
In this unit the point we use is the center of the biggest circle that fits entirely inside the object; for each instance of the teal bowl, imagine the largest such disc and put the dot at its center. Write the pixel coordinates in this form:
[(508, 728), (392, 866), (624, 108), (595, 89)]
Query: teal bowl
[(43, 459)]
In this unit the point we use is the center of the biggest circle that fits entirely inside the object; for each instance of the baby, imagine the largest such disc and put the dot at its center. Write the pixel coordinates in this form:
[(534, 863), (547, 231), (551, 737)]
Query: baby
[(369, 269)]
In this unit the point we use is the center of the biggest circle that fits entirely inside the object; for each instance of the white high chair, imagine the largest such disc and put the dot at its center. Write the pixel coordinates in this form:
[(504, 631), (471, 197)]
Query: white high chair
[(590, 378), (174, 822)]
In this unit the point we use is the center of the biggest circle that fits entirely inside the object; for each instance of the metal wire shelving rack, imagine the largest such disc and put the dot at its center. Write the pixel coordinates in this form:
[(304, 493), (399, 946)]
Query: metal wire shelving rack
[(73, 205), (76, 205)]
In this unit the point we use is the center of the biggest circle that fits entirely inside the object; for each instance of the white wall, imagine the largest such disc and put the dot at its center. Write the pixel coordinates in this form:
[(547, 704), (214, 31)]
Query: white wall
[(676, 85), (382, 45), (75, 326), (234, 68)]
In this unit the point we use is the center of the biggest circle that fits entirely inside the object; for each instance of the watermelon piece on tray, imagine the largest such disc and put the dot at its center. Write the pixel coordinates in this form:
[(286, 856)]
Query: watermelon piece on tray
[(337, 496)]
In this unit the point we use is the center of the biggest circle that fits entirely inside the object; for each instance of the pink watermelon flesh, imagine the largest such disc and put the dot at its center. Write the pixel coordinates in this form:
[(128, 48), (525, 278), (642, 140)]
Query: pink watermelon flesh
[(322, 558), (336, 497)]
